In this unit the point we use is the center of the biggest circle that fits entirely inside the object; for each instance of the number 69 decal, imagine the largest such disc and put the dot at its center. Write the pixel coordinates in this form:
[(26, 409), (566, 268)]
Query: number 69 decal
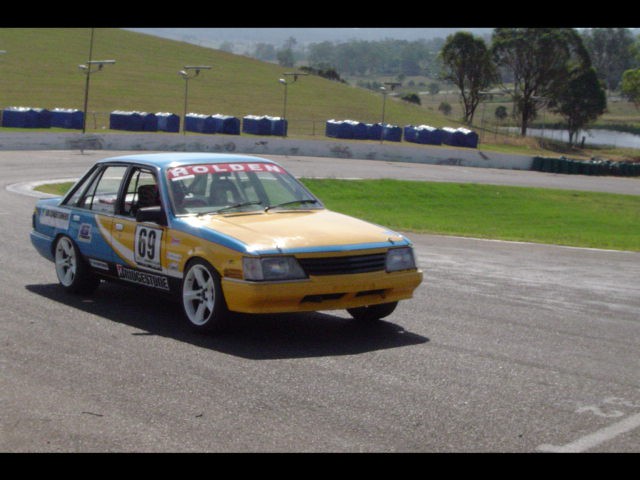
[(147, 246)]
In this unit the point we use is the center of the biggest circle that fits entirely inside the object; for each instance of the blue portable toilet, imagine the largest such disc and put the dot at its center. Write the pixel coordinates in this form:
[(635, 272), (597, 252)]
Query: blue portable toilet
[(116, 120), (26, 117), (67, 118), (149, 122), (375, 131), (250, 124), (332, 128), (122, 120), (256, 125), (410, 133), (194, 122), (448, 137), (464, 137), (226, 124), (42, 118), (168, 122), (278, 126), (428, 135), (392, 133), (359, 130)]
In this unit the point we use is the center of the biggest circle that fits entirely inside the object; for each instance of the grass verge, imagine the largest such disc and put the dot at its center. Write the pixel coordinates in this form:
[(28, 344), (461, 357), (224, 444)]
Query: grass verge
[(540, 215)]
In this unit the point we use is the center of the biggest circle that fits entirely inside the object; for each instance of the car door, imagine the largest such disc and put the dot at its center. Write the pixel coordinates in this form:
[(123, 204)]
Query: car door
[(92, 210), (139, 246)]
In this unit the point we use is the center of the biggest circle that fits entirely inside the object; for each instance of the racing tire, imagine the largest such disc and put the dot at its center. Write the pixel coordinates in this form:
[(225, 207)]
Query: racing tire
[(72, 270), (203, 302), (371, 313)]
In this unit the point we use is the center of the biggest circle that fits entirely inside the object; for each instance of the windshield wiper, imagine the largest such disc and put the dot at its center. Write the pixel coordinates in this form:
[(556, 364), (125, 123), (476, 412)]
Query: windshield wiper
[(229, 207), (238, 205), (292, 202)]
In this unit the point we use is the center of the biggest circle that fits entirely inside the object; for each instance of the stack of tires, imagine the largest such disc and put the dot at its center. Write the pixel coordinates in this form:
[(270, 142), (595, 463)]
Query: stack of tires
[(585, 167)]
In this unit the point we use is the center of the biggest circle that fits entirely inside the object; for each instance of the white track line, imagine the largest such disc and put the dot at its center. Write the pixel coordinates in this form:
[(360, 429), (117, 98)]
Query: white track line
[(596, 438)]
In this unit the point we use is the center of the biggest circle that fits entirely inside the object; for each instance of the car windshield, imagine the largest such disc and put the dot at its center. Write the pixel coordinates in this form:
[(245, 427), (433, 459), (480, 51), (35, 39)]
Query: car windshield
[(227, 188)]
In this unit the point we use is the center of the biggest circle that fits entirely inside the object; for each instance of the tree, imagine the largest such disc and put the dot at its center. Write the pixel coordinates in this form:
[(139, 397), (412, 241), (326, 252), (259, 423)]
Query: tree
[(581, 101), (265, 51), (631, 86), (285, 58), (411, 98), (540, 60), (445, 108), (467, 63), (611, 51), (501, 113)]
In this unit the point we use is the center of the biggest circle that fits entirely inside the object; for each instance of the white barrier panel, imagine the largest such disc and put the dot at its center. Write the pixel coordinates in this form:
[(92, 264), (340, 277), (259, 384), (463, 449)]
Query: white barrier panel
[(435, 155)]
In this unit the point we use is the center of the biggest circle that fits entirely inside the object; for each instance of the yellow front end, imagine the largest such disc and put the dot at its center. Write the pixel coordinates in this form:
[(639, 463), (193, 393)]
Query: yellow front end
[(317, 237), (320, 292)]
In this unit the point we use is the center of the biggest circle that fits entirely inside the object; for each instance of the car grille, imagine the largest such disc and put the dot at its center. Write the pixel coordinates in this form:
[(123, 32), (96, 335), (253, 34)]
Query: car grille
[(343, 265)]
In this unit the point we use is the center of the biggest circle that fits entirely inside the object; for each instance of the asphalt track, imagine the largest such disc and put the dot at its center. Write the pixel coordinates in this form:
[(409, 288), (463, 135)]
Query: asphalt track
[(506, 347)]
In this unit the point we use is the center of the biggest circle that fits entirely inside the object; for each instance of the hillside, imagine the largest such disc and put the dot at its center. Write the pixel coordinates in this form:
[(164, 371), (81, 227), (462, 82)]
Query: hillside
[(40, 69)]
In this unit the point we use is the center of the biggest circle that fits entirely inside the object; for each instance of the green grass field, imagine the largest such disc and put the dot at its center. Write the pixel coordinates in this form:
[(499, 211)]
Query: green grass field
[(584, 219), (563, 217)]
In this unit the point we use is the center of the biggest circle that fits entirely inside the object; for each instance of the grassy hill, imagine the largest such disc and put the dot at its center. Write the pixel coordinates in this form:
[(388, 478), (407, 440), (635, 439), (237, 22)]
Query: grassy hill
[(40, 69)]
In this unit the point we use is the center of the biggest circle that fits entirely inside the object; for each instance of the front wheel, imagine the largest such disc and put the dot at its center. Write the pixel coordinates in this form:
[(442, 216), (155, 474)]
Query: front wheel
[(202, 299), (73, 273), (372, 312)]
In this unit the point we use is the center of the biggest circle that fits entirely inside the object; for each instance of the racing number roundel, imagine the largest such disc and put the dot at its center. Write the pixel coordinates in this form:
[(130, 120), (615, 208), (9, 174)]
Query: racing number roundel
[(147, 246)]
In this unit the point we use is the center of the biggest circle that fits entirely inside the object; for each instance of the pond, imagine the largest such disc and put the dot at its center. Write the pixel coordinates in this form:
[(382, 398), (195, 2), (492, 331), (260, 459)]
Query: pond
[(596, 137)]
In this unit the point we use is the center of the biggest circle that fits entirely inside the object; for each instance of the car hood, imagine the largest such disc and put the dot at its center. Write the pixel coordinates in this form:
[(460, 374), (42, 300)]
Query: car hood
[(302, 231)]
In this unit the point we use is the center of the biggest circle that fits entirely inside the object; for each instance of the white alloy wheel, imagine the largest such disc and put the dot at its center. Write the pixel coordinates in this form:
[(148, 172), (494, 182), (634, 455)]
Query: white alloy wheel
[(73, 272), (66, 261), (202, 298)]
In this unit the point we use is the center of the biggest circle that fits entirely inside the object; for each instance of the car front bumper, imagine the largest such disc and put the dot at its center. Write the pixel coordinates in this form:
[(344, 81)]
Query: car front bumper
[(335, 292)]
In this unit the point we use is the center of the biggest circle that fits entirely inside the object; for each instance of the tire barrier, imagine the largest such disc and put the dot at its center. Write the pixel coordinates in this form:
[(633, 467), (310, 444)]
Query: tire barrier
[(354, 130), (264, 125), (585, 167)]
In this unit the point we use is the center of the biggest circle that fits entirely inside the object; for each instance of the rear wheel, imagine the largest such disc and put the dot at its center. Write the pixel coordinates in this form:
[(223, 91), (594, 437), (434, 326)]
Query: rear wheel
[(202, 299), (372, 312), (73, 273)]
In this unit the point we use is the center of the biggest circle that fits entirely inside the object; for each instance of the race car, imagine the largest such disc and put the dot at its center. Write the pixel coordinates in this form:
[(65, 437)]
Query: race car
[(223, 233)]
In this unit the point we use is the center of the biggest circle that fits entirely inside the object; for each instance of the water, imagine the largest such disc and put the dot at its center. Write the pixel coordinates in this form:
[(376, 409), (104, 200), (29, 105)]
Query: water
[(595, 137)]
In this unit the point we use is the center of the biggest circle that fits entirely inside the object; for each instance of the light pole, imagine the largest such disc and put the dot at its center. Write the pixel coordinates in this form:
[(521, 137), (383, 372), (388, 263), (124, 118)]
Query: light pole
[(87, 70), (284, 82), (189, 72), (391, 85), (2, 52)]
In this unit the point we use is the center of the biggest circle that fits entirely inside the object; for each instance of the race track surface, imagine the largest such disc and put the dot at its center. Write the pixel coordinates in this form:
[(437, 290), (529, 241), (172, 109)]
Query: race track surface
[(506, 347)]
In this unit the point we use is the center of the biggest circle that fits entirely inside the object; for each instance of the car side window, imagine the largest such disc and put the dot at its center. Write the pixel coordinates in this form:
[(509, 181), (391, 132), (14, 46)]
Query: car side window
[(102, 194), (141, 191)]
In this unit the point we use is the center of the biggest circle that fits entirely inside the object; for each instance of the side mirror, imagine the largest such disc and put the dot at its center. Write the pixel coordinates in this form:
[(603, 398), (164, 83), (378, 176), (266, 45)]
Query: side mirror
[(151, 214)]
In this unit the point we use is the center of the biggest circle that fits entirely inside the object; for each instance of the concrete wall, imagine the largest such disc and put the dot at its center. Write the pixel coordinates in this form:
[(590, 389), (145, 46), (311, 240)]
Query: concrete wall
[(254, 145)]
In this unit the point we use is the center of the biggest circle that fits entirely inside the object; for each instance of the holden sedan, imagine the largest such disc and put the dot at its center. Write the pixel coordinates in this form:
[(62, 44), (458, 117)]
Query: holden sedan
[(222, 233)]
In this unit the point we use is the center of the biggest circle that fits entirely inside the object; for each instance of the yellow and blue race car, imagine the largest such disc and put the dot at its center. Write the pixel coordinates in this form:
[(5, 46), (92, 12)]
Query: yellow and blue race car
[(222, 233)]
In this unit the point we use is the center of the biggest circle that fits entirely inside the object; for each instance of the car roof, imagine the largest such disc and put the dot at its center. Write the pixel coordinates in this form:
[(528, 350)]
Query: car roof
[(174, 159)]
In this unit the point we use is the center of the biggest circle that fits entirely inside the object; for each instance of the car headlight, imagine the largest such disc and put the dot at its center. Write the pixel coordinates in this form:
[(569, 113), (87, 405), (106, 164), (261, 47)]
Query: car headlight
[(272, 268), (400, 259)]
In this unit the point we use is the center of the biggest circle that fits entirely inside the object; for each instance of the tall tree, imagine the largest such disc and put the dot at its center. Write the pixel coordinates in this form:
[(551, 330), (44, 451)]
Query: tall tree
[(581, 101), (540, 60), (631, 86), (467, 63), (611, 51)]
